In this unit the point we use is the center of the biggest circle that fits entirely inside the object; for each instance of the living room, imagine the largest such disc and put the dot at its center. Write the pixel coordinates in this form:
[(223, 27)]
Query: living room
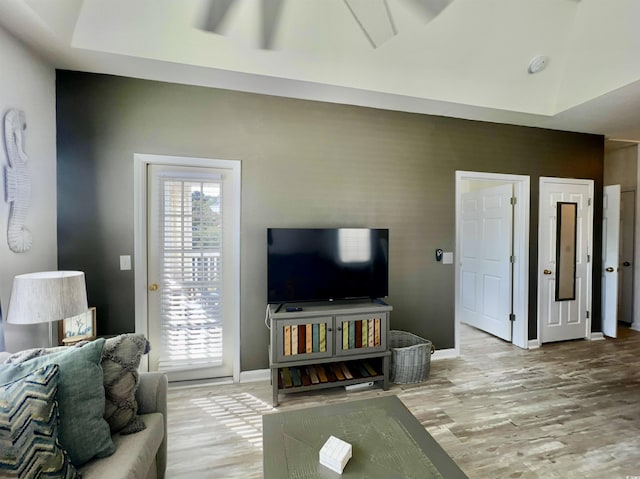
[(304, 163)]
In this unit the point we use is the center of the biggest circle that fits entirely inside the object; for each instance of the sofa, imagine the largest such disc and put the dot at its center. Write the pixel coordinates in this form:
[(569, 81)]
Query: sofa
[(98, 415)]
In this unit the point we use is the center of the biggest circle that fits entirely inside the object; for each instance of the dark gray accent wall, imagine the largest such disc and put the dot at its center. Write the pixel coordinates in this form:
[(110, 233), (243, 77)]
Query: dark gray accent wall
[(304, 164)]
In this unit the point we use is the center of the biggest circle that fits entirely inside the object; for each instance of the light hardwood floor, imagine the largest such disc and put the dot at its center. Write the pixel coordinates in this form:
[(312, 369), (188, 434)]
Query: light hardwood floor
[(566, 410)]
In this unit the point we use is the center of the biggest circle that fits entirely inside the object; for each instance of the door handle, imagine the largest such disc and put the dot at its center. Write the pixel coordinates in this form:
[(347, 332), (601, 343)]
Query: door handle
[(626, 263), (547, 271), (153, 287), (609, 269)]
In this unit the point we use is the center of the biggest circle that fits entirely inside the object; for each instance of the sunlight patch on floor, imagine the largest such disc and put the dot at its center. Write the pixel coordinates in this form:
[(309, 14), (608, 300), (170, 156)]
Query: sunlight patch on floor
[(240, 412)]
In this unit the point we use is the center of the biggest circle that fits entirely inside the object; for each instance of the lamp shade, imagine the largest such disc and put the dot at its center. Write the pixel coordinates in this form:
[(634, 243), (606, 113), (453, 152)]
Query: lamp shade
[(47, 296)]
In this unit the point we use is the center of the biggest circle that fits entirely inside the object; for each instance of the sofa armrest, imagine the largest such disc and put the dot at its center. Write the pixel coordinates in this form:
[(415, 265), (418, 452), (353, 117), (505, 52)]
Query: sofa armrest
[(152, 397), (152, 393)]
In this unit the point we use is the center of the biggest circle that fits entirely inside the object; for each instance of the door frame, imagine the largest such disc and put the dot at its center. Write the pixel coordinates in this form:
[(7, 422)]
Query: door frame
[(590, 228), (140, 162), (522, 193), (635, 232)]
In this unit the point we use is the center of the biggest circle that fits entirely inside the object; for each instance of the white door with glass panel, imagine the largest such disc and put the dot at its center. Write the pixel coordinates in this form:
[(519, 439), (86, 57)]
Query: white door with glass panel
[(191, 275), (485, 260), (564, 251)]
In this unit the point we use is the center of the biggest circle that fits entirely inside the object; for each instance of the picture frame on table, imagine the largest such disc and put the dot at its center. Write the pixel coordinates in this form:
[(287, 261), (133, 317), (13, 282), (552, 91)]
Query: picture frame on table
[(77, 328)]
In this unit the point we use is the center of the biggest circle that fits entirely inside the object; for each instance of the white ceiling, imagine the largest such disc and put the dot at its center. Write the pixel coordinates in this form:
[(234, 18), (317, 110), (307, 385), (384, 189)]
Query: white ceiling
[(470, 61)]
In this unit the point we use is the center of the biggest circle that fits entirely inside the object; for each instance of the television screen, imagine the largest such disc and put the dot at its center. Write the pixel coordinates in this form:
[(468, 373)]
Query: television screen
[(315, 264)]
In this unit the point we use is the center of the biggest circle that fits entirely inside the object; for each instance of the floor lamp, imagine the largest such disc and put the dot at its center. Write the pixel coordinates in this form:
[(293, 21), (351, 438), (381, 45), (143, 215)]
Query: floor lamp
[(46, 297)]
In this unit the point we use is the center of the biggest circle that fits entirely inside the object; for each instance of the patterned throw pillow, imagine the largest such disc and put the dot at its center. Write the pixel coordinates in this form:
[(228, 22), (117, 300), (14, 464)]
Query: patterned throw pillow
[(27, 354), (29, 445), (84, 433), (120, 361)]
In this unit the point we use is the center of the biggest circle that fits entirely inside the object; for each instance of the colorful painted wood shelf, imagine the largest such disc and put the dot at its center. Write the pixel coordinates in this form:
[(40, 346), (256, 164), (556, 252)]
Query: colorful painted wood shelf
[(328, 345)]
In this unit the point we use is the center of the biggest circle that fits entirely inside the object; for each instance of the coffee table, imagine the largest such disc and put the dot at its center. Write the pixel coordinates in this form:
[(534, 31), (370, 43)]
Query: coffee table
[(388, 442)]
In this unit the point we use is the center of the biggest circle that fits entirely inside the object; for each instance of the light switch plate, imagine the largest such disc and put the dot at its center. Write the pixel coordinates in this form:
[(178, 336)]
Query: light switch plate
[(447, 258), (125, 262)]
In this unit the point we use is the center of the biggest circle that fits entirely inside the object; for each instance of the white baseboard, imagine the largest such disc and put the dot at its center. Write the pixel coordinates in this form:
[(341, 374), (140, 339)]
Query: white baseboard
[(196, 383), (533, 344), (635, 326), (597, 336), (445, 354), (255, 375)]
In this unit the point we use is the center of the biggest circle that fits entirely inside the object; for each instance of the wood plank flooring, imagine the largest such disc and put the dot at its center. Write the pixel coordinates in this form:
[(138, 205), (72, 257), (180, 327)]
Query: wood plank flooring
[(566, 410)]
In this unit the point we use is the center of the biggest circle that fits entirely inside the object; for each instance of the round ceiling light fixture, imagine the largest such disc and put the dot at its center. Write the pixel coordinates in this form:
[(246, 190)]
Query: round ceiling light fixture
[(538, 64)]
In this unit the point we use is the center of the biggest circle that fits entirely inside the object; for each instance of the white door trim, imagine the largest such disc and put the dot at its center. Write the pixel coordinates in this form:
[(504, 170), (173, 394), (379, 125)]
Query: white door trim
[(590, 185), (521, 191), (140, 162)]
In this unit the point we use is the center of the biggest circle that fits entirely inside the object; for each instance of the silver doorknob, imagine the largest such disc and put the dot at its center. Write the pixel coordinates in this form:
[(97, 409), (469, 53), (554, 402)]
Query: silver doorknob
[(609, 269), (547, 271)]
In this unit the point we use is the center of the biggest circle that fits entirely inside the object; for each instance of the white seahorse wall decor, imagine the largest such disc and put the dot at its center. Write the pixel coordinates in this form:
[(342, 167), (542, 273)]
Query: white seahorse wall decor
[(17, 182)]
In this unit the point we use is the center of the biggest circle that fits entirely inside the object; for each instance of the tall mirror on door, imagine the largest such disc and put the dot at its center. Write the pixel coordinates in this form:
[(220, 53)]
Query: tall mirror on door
[(566, 236)]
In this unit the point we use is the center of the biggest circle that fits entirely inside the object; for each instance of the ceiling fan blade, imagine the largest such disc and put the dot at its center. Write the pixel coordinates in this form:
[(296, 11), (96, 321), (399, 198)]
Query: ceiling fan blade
[(271, 10), (374, 19), (432, 8), (214, 15)]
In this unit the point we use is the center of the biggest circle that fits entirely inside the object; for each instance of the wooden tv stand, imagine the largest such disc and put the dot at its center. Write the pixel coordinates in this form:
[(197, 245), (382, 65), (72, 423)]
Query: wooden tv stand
[(328, 344)]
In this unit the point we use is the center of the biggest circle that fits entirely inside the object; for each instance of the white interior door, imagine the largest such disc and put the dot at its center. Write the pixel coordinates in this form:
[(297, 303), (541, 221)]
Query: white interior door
[(565, 319), (191, 274), (627, 230), (485, 260), (610, 258)]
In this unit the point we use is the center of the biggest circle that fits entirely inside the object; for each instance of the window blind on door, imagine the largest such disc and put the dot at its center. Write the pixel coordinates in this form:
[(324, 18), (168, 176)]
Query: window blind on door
[(191, 283)]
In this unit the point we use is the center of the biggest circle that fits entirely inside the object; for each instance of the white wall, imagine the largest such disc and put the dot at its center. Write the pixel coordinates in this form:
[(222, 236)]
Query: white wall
[(28, 83), (620, 167)]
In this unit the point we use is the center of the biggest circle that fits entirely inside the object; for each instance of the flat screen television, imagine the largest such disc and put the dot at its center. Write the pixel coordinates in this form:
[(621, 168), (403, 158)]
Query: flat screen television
[(320, 264)]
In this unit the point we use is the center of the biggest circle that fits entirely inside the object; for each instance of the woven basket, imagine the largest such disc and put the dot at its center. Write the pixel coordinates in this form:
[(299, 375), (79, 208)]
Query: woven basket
[(410, 357)]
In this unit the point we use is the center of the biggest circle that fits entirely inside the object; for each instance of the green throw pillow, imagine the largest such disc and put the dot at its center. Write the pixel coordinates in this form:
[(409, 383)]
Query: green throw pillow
[(29, 445), (84, 433)]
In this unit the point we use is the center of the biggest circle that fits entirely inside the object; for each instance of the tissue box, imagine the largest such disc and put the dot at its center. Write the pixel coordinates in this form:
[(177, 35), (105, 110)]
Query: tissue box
[(335, 454)]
